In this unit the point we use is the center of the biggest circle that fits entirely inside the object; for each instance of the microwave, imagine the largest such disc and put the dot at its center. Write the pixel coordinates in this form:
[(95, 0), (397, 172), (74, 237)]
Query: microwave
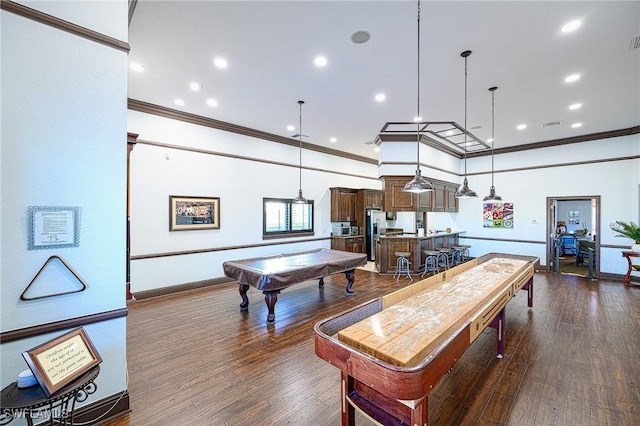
[(340, 231), (354, 230)]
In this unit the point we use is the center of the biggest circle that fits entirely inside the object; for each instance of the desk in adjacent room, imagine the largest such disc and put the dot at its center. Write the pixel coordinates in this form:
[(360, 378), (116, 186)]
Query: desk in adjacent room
[(628, 255), (393, 350), (271, 274)]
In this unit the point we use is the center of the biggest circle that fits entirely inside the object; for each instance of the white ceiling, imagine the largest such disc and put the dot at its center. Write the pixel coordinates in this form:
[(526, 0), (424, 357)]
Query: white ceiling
[(270, 47)]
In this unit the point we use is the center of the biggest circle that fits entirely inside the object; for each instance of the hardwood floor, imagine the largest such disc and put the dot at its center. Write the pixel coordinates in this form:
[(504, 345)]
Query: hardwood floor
[(194, 358)]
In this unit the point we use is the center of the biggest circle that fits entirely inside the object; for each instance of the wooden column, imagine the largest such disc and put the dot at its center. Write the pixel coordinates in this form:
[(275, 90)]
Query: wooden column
[(131, 143)]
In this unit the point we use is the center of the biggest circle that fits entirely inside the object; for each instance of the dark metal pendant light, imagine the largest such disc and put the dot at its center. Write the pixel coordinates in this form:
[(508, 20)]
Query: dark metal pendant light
[(300, 199), (492, 191), (418, 184), (465, 191)]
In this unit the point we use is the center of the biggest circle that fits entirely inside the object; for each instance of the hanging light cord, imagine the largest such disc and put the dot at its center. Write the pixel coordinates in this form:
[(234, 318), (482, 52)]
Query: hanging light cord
[(418, 116), (300, 151), (492, 129), (465, 116)]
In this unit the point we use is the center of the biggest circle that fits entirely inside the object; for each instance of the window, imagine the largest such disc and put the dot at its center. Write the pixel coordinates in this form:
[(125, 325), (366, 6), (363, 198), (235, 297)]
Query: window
[(281, 216)]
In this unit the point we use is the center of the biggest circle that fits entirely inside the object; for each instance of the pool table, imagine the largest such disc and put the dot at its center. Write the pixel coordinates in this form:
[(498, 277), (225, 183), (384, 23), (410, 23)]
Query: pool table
[(271, 274)]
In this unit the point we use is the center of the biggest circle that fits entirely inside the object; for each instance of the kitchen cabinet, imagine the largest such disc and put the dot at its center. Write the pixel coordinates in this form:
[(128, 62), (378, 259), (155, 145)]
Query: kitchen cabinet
[(450, 196), (441, 199), (343, 205), (353, 244), (372, 199), (394, 199)]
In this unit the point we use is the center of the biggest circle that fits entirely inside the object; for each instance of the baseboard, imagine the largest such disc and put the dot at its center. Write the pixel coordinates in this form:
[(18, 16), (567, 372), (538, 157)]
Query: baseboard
[(164, 291), (103, 411)]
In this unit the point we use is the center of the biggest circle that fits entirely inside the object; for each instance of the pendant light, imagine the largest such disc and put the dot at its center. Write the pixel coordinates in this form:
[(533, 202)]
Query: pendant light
[(465, 191), (300, 199), (492, 191), (418, 184)]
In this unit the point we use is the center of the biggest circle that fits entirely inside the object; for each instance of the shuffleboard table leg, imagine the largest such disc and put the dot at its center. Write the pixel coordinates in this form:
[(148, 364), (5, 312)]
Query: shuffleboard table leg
[(270, 298), (499, 323), (351, 275), (529, 287), (244, 306), (348, 411), (419, 415)]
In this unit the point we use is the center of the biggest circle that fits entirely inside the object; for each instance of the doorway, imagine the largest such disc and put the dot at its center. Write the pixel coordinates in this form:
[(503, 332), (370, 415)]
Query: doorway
[(570, 221)]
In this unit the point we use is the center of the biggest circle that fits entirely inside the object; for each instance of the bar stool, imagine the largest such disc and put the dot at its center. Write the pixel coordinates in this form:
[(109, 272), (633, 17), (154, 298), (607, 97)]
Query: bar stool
[(443, 258), (464, 252), (430, 262), (456, 255), (402, 265)]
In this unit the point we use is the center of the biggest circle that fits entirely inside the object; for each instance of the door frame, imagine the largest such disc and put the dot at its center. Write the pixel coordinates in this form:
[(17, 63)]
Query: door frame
[(551, 213)]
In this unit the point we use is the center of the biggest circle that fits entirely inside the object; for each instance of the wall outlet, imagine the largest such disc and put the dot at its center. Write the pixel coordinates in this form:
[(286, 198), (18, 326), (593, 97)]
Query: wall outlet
[(534, 222)]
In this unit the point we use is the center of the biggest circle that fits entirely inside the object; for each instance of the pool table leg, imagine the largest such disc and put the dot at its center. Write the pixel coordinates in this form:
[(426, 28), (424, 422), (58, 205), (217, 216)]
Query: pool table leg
[(270, 298), (351, 275), (244, 306)]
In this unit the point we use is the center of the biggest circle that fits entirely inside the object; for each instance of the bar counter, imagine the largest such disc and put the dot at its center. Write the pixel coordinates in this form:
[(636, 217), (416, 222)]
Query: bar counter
[(388, 246)]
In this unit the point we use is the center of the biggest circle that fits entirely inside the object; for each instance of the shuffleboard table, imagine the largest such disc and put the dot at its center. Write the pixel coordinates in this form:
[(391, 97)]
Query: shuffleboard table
[(393, 350), (271, 274)]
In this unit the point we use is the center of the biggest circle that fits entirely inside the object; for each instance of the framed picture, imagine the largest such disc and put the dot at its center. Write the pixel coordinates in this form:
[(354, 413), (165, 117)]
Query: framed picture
[(58, 362), (53, 227), (189, 213)]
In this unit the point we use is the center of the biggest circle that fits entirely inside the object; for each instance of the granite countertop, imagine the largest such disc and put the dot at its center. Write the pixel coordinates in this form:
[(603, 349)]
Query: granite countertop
[(415, 235)]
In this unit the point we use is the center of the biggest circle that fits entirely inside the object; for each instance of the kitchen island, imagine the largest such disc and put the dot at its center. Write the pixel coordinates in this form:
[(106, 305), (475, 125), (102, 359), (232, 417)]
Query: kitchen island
[(388, 245)]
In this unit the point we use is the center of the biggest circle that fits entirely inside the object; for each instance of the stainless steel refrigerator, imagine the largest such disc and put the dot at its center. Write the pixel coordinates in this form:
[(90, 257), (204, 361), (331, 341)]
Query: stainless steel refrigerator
[(375, 220)]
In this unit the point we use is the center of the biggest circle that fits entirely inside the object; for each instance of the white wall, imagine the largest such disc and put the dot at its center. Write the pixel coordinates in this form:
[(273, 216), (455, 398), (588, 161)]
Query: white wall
[(269, 170), (524, 178), (615, 181), (64, 144)]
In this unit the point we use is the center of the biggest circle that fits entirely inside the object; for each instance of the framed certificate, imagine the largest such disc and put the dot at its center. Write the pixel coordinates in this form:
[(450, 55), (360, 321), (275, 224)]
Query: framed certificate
[(58, 362), (53, 227)]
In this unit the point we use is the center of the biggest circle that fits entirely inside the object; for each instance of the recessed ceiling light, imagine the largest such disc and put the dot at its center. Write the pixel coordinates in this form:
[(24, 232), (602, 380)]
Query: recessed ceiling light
[(380, 97), (195, 86), (320, 61), (521, 126), (570, 26), (417, 119), (333, 140), (376, 149), (572, 78), (136, 67), (449, 133), (576, 125), (575, 106), (489, 140), (291, 128), (179, 102), (220, 63), (212, 102)]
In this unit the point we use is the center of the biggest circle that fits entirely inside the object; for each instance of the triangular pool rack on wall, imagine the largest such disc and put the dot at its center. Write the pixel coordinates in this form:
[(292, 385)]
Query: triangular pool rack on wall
[(58, 277)]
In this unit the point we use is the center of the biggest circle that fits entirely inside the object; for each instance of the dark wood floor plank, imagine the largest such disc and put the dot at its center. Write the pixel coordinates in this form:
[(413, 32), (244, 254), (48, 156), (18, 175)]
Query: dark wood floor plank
[(195, 358)]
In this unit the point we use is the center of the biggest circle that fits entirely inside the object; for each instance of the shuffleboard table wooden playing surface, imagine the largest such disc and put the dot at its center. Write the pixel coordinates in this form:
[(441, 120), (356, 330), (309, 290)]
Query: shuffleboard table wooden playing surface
[(271, 274), (393, 350)]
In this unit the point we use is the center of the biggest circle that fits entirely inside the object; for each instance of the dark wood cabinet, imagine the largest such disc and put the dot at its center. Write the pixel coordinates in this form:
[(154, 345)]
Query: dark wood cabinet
[(343, 205), (372, 199), (353, 244), (441, 199), (450, 196)]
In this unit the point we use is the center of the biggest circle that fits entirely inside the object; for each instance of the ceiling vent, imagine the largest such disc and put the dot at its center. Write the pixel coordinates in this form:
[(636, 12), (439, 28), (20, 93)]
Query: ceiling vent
[(551, 124), (635, 43)]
